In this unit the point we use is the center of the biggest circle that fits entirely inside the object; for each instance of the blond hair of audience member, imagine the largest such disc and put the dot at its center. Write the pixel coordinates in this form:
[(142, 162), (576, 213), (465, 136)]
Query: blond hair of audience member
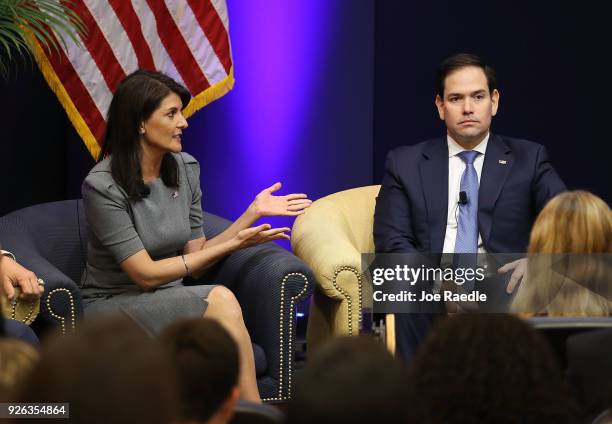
[(577, 223), (16, 360)]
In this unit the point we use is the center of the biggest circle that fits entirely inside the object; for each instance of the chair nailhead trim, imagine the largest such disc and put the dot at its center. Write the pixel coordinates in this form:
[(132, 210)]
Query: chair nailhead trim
[(280, 396), (60, 318), (14, 309), (348, 297)]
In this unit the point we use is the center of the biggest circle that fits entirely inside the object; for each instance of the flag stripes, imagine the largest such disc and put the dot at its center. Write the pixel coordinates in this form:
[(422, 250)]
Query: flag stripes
[(99, 49), (129, 20), (208, 19), (186, 39)]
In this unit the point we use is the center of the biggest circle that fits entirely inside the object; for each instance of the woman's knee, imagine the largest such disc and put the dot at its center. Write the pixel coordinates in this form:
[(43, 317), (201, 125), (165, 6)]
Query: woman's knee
[(225, 303)]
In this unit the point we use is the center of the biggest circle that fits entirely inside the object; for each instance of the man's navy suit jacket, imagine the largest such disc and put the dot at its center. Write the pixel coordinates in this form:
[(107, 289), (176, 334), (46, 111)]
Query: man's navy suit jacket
[(412, 207)]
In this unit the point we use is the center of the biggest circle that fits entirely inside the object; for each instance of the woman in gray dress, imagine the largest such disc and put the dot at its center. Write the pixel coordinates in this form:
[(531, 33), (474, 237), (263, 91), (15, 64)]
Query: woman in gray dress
[(143, 206)]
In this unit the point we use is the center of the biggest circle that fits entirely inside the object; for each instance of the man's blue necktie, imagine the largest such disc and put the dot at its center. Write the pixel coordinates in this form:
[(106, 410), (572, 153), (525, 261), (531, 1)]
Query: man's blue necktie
[(467, 222)]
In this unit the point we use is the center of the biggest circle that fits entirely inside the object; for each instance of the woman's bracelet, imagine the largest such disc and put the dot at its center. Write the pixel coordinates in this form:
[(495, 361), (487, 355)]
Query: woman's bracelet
[(185, 263)]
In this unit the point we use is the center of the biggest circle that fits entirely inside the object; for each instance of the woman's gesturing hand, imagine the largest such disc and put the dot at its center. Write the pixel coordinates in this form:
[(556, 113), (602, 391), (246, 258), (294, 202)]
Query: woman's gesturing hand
[(257, 235), (266, 204)]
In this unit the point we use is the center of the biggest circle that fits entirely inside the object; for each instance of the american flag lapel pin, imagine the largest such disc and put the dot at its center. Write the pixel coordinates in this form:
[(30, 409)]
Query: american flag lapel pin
[(503, 162)]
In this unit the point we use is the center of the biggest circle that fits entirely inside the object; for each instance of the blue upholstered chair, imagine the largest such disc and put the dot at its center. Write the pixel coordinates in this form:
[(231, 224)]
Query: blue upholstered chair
[(51, 240)]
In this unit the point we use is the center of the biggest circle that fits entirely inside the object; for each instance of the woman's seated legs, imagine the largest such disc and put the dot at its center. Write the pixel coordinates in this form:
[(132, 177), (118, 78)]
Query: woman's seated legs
[(224, 307)]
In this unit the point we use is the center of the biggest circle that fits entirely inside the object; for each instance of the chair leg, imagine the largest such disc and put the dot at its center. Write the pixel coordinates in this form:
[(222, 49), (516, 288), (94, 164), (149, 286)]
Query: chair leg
[(390, 332)]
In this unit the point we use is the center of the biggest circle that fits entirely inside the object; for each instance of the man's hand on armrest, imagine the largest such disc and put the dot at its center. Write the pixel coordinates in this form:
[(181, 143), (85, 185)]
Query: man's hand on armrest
[(14, 275), (519, 269)]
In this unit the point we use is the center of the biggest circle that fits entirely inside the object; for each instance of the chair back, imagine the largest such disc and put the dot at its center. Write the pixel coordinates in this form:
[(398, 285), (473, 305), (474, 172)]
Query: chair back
[(558, 329), (56, 230)]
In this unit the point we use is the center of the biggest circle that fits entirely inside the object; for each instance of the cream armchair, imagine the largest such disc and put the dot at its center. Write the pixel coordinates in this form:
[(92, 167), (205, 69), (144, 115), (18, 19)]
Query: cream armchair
[(330, 237)]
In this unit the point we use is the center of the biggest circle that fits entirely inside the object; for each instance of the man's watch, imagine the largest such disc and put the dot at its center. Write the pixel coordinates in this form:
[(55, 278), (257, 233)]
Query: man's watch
[(8, 254)]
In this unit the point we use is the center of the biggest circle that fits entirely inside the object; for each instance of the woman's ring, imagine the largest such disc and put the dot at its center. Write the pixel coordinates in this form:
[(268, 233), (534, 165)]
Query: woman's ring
[(41, 282)]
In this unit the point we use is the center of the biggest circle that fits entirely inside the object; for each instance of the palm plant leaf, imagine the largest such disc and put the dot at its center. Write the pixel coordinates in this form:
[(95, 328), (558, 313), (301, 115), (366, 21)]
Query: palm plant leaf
[(47, 22)]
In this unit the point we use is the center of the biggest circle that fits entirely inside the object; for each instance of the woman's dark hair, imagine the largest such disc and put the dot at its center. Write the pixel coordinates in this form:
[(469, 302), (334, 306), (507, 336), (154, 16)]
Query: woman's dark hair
[(489, 368), (134, 101), (464, 60)]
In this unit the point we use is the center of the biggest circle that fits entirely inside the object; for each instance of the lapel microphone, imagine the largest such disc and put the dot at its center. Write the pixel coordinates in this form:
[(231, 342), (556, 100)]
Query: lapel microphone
[(144, 191), (463, 198)]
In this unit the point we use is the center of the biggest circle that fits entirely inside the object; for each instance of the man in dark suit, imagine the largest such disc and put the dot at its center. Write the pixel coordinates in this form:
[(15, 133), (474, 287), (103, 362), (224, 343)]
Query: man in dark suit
[(468, 192)]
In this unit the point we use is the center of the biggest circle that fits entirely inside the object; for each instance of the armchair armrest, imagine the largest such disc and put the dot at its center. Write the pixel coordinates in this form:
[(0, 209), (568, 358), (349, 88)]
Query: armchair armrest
[(330, 237), (61, 302), (268, 282), (323, 239), (328, 252)]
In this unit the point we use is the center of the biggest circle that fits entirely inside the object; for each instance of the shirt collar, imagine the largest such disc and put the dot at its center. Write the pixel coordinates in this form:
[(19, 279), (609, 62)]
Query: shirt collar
[(454, 148)]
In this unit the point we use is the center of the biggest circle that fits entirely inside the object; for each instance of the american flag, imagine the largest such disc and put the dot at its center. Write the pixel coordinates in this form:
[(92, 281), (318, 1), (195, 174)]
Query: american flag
[(186, 39)]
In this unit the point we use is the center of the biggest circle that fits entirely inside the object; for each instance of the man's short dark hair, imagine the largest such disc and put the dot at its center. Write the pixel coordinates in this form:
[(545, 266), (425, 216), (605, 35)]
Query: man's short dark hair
[(463, 60), (351, 379), (207, 365)]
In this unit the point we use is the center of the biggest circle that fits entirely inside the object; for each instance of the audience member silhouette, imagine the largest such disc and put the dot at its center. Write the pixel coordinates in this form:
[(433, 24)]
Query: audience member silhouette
[(207, 367), (109, 371), (568, 271), (488, 369), (17, 358), (350, 380)]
